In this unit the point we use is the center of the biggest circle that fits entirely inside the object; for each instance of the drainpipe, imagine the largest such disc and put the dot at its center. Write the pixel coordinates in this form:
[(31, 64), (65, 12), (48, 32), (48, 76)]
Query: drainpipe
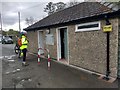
[(108, 48)]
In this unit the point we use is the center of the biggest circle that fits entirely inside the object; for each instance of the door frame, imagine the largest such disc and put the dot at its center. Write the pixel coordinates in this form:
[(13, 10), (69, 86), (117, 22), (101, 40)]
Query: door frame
[(59, 43), (39, 39)]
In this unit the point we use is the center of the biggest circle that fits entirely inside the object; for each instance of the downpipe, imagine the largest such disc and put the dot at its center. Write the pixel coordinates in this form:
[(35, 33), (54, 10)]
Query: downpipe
[(108, 51)]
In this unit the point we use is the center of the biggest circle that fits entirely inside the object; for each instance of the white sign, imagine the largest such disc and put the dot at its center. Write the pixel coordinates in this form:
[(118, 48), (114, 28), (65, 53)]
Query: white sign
[(49, 39)]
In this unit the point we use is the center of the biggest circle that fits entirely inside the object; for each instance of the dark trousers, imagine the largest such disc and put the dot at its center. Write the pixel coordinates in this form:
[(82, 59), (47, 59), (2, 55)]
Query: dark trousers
[(24, 54)]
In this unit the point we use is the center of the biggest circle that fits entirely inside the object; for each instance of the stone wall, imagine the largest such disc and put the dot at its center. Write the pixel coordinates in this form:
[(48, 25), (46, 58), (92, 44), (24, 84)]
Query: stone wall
[(88, 49)]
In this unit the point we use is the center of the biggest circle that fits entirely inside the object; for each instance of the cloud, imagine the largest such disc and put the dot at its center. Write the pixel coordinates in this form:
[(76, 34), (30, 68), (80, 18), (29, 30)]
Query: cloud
[(15, 26), (27, 8), (35, 0), (30, 9)]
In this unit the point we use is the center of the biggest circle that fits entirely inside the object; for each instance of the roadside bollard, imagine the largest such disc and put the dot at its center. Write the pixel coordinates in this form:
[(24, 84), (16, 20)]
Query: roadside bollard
[(38, 59), (38, 56), (48, 57), (48, 61)]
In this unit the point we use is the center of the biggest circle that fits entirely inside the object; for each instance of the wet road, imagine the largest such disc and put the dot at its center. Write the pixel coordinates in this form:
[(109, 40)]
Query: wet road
[(38, 76), (7, 49)]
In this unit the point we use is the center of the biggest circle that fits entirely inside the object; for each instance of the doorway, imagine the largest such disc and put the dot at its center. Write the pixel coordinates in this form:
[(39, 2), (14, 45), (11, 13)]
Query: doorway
[(62, 47), (40, 41)]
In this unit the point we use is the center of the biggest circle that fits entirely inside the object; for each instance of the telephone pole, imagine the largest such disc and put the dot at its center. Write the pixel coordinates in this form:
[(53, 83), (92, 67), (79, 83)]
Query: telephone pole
[(1, 21), (19, 21)]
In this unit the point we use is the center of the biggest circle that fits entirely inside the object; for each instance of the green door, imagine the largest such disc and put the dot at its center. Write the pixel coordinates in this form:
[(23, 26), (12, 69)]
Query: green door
[(65, 44)]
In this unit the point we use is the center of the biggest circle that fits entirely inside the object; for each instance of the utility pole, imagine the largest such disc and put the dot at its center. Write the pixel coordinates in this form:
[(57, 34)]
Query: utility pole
[(19, 21), (1, 21)]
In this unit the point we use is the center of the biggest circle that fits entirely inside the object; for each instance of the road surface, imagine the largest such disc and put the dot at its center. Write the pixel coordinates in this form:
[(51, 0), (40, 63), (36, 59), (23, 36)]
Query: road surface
[(38, 76), (6, 50)]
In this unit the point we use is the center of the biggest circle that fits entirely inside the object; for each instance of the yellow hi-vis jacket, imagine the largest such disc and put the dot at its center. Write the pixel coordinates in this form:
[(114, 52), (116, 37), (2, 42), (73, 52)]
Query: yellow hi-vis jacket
[(24, 42)]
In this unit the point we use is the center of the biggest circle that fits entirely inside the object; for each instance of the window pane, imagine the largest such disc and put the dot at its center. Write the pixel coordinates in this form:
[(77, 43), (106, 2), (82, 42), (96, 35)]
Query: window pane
[(88, 26)]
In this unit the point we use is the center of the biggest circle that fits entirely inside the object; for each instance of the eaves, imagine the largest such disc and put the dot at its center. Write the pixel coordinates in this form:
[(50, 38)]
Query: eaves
[(101, 16)]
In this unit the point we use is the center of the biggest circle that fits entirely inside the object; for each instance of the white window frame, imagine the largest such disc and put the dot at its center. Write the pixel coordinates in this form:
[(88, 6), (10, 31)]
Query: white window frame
[(88, 29)]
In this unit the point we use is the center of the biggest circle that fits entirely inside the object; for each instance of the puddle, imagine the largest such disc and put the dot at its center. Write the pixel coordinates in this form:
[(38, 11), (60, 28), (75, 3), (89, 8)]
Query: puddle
[(13, 55), (9, 57), (19, 85), (23, 80), (14, 71), (18, 69), (29, 80), (1, 57), (11, 60), (19, 82), (6, 56), (26, 79), (18, 77), (7, 72)]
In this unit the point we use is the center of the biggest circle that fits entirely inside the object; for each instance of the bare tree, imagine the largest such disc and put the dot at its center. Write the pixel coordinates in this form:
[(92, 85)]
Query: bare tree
[(53, 7), (29, 21), (72, 3), (50, 8), (60, 6)]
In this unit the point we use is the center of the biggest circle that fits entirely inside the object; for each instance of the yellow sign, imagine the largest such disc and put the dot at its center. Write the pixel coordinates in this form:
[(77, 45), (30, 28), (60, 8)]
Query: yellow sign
[(107, 28)]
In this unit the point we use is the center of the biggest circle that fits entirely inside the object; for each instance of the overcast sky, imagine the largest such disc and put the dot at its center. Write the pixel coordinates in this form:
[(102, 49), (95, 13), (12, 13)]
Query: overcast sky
[(27, 8)]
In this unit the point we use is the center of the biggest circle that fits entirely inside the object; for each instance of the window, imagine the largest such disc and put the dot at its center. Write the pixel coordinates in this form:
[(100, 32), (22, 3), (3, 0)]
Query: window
[(88, 26)]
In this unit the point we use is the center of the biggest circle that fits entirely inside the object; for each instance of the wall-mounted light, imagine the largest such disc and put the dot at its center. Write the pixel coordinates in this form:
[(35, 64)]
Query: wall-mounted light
[(107, 20), (48, 31)]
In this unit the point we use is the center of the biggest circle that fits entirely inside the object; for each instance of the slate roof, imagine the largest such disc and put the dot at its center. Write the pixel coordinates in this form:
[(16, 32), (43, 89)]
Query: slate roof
[(82, 10)]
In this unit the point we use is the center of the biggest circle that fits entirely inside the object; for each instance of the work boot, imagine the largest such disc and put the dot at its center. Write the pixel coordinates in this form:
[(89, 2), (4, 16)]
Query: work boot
[(24, 64)]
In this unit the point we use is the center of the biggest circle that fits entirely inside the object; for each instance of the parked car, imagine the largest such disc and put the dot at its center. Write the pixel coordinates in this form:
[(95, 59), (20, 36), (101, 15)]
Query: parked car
[(7, 40)]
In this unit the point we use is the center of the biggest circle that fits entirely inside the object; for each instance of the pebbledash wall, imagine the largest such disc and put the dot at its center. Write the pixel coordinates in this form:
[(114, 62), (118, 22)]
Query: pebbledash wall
[(52, 48), (33, 41), (87, 49)]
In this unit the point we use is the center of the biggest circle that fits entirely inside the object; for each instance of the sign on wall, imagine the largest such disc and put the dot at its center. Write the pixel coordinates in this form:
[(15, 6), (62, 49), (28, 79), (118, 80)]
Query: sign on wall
[(107, 28), (49, 39)]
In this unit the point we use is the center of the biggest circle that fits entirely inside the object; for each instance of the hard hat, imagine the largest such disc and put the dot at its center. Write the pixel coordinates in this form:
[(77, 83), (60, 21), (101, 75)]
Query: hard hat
[(23, 32)]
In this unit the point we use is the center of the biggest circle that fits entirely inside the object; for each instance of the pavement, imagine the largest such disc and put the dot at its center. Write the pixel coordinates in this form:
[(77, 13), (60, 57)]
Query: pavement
[(39, 76)]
